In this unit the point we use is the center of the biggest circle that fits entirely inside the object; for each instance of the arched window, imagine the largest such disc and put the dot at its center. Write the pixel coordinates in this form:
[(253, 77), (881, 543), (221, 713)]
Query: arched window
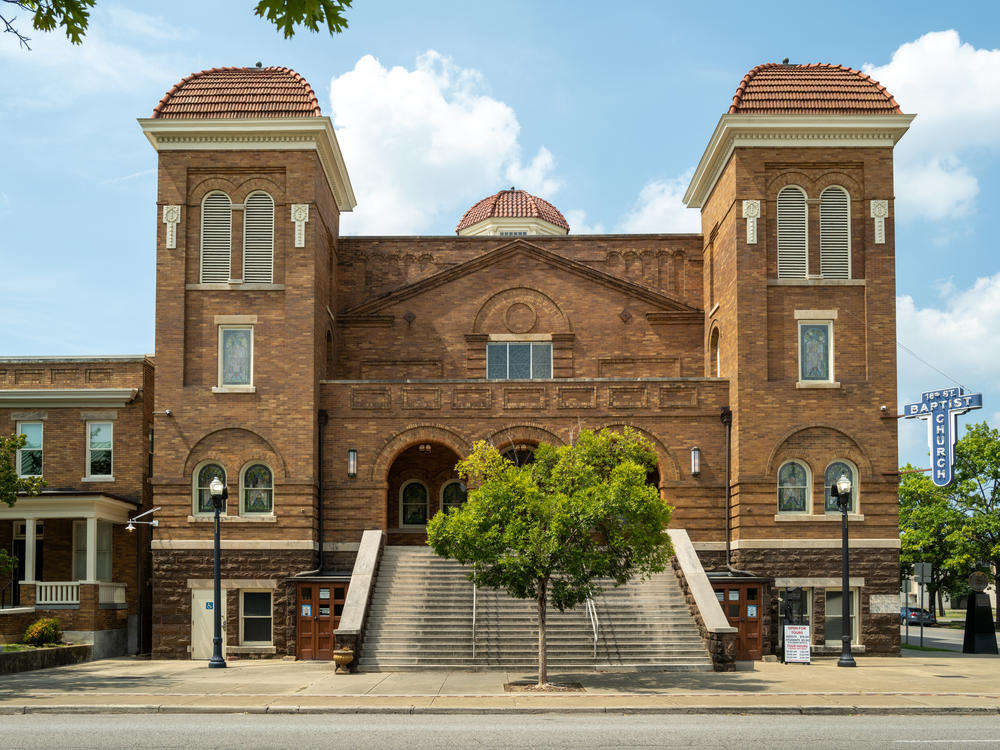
[(835, 233), (714, 363), (793, 488), (520, 454), (216, 237), (203, 477), (793, 247), (257, 490), (413, 504), (453, 495), (833, 473), (258, 238)]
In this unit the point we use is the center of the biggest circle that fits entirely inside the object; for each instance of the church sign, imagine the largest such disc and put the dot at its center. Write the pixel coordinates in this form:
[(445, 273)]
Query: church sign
[(941, 410)]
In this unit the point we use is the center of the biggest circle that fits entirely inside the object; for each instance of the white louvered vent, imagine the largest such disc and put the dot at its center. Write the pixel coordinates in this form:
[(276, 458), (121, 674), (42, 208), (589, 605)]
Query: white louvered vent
[(792, 245), (835, 234), (258, 239), (216, 237)]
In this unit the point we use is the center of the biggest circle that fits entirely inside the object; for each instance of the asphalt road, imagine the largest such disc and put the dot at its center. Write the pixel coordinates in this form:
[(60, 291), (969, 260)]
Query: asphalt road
[(418, 732), (950, 639)]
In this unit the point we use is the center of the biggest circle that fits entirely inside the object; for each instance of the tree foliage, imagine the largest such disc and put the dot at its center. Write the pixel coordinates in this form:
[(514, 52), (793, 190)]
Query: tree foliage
[(956, 528), (74, 16), (549, 530), (10, 483)]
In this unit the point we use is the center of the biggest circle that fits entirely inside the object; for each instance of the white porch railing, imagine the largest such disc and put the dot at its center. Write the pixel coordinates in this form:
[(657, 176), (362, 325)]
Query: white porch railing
[(111, 593), (59, 592)]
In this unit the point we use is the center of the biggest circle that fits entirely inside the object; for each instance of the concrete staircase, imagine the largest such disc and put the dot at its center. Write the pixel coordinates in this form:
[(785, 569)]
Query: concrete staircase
[(421, 618)]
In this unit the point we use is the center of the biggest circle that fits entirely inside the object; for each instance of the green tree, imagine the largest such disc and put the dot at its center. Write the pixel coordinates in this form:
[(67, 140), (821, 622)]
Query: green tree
[(74, 16), (929, 524), (10, 483), (548, 530)]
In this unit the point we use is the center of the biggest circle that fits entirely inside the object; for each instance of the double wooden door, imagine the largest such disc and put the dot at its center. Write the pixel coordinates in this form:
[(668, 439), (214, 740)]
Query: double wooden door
[(319, 608), (742, 603)]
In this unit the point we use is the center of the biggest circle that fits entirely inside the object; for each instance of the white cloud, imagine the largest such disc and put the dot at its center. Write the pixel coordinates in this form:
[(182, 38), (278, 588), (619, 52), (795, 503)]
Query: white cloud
[(141, 24), (578, 224), (956, 343), (425, 143), (954, 89), (660, 208)]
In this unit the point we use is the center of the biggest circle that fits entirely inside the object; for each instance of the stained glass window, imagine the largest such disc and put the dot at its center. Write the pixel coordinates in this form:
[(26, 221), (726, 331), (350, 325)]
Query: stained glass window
[(833, 473), (814, 351), (206, 474), (414, 505), (793, 481), (258, 489), (453, 496), (237, 356)]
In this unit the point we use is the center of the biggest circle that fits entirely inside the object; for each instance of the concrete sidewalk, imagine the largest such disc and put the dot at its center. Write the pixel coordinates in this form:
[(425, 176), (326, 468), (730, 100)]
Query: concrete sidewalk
[(924, 684)]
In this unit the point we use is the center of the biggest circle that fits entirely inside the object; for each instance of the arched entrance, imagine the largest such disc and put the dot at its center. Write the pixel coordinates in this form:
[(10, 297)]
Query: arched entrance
[(421, 481)]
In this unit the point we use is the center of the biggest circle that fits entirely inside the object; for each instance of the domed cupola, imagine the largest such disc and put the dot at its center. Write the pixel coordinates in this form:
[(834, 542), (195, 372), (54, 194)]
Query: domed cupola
[(512, 213)]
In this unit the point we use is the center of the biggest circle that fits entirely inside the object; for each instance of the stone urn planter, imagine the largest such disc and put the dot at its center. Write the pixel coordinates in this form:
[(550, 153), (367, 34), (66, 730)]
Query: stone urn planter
[(343, 657)]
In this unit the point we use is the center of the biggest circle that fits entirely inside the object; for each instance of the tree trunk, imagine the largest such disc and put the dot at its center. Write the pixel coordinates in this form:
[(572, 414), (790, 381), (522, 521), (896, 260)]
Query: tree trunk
[(543, 672), (940, 602), (995, 571)]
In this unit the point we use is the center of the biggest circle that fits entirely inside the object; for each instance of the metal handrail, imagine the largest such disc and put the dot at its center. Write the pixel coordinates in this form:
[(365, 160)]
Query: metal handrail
[(473, 621), (594, 623)]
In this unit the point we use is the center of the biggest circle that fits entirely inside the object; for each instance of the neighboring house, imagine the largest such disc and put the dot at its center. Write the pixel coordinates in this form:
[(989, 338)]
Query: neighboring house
[(87, 423), (332, 382)]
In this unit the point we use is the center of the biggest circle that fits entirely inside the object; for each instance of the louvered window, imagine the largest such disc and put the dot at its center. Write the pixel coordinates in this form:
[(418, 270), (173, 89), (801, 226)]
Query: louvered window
[(216, 237), (835, 233), (258, 238), (792, 244)]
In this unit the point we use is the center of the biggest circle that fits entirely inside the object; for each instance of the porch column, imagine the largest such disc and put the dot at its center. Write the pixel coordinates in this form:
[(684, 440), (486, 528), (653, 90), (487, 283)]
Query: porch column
[(91, 549), (29, 550)]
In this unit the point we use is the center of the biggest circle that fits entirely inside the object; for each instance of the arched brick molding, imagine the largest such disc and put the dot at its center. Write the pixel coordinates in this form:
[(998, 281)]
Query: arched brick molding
[(412, 436), (493, 315), (521, 433), (241, 444), (796, 444)]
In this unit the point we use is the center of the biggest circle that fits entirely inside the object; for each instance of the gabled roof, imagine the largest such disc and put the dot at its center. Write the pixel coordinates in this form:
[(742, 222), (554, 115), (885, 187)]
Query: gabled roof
[(239, 93), (813, 89), (511, 250)]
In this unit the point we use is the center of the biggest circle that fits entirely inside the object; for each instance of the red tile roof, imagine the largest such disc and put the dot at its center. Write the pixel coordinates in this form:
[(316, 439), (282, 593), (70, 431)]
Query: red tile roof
[(240, 92), (813, 89), (512, 204)]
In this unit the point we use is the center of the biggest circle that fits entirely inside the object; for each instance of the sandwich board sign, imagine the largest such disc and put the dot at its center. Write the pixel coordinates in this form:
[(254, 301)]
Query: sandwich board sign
[(797, 644), (941, 409)]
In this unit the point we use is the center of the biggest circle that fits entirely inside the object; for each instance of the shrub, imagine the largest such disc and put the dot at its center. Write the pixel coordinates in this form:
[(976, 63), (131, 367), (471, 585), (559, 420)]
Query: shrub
[(43, 632)]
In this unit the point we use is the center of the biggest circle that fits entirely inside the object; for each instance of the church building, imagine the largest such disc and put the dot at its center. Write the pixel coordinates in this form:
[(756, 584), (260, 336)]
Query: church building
[(332, 382)]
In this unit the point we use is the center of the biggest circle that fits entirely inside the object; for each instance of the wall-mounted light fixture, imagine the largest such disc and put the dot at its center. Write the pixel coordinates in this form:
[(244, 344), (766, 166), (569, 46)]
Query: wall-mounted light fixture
[(352, 463), (424, 448), (695, 461), (135, 520)]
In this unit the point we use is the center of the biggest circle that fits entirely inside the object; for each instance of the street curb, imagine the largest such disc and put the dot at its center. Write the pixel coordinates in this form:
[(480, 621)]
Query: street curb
[(847, 710)]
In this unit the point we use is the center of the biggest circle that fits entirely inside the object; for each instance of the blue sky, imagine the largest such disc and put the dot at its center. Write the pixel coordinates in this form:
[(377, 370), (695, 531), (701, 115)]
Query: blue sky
[(604, 110)]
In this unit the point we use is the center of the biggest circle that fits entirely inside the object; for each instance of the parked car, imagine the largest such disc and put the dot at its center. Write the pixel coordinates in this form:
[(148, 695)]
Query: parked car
[(915, 616)]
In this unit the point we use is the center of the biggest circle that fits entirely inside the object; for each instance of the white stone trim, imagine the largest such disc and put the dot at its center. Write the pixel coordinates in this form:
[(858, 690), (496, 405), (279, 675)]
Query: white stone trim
[(62, 397), (341, 546), (751, 212), (820, 315), (300, 215), (784, 517), (814, 543), (99, 416), (879, 212), (709, 546), (818, 583), (258, 134), (29, 416), (517, 337), (97, 506), (248, 544), (233, 583), (171, 217), (796, 131), (817, 384), (235, 320), (494, 225), (224, 518), (816, 281), (235, 286)]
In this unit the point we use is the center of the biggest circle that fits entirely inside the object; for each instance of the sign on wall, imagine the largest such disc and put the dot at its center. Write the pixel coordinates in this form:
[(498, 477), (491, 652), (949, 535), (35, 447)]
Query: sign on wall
[(941, 410)]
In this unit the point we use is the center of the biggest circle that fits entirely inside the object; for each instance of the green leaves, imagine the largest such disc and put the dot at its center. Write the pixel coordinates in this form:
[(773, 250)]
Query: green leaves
[(576, 514), (287, 14), (10, 483)]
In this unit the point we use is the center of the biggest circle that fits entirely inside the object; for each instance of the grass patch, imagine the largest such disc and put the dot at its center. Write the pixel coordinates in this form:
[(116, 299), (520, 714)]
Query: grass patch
[(914, 647)]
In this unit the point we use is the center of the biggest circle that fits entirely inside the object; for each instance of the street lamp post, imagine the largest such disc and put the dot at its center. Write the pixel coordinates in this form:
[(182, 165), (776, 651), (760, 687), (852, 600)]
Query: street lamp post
[(841, 492), (219, 493)]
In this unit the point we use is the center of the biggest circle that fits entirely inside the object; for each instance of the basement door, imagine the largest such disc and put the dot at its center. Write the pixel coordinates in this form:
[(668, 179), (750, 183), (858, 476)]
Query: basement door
[(203, 622), (742, 604), (319, 608)]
